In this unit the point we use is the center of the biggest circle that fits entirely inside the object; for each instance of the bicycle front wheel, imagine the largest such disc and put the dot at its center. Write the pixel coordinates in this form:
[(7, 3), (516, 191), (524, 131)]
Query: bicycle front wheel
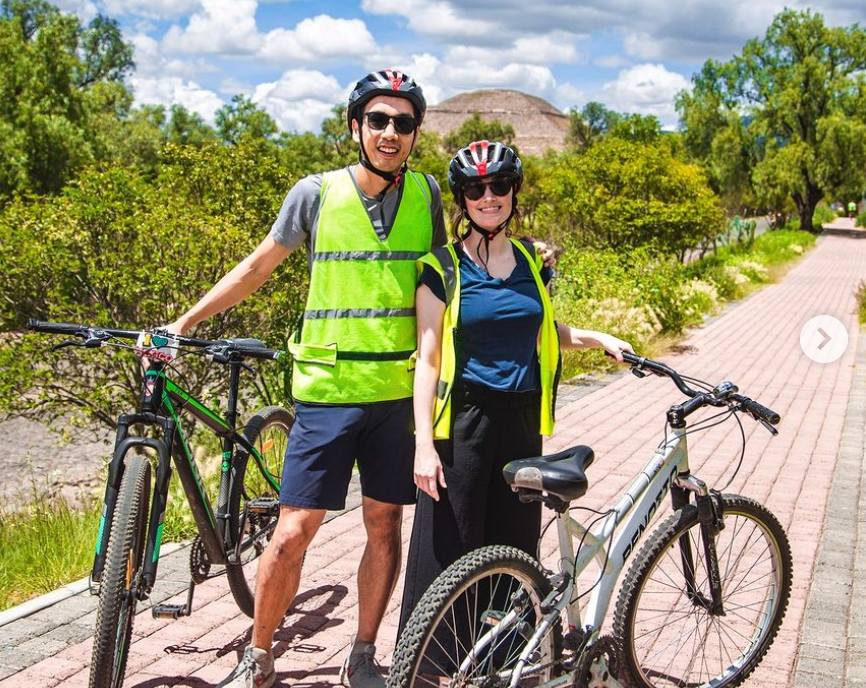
[(669, 635), (475, 621), (254, 499), (123, 562)]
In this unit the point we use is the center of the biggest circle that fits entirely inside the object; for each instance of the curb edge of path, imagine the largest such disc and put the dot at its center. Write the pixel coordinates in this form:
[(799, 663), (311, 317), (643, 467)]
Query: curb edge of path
[(830, 652)]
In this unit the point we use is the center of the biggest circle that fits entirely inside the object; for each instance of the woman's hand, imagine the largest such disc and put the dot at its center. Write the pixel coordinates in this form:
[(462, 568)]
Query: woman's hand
[(613, 345), (429, 475), (547, 253)]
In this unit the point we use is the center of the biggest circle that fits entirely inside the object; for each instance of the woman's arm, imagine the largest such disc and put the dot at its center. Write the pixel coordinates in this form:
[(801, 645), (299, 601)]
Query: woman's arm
[(572, 338), (241, 281), (430, 312)]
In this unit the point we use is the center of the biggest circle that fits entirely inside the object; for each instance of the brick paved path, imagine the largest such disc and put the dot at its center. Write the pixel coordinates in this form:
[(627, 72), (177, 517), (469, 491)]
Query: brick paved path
[(754, 343)]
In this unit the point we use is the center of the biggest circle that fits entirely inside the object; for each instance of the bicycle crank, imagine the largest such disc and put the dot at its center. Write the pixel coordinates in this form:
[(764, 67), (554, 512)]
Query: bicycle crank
[(599, 666)]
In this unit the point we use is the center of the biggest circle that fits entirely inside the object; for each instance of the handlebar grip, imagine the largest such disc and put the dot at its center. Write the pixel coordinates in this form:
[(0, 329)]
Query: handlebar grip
[(762, 412), (58, 328), (266, 354)]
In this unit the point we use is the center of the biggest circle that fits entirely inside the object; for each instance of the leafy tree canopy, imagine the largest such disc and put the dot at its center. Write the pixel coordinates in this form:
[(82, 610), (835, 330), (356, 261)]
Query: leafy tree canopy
[(242, 118), (784, 119), (474, 128)]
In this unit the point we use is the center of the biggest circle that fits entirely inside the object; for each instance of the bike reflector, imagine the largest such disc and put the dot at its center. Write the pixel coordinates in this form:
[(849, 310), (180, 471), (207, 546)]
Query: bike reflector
[(156, 347)]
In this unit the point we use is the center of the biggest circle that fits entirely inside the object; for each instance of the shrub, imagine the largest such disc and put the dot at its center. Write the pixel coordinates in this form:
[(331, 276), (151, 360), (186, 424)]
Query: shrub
[(823, 215), (861, 219)]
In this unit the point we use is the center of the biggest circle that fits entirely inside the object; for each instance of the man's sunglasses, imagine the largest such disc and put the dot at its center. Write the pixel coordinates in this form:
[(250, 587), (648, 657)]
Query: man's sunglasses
[(499, 187), (378, 121)]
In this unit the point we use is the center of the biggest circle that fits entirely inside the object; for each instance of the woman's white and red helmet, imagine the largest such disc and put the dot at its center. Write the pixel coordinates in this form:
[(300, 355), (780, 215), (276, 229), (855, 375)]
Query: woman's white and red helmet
[(481, 159)]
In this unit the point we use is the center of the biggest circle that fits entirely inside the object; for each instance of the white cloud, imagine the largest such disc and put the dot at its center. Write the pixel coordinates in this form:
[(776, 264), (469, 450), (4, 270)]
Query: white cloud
[(300, 99), (150, 61), (611, 61), (568, 95), (318, 37), (555, 48), (85, 9), (648, 89), (436, 19), (152, 9), (226, 27), (169, 90)]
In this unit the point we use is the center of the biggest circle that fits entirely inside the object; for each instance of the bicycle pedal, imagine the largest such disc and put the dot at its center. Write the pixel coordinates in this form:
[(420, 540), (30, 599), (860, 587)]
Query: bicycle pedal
[(263, 505), (169, 611)]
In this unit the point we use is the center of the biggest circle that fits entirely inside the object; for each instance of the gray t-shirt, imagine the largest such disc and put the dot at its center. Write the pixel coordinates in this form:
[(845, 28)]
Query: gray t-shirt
[(298, 218)]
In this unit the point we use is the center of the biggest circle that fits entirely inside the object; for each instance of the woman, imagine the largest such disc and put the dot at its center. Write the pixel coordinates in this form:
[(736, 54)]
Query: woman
[(485, 379)]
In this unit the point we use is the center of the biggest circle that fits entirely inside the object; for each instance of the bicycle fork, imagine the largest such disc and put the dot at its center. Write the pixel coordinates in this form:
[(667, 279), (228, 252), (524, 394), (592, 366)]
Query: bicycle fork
[(122, 445), (710, 518)]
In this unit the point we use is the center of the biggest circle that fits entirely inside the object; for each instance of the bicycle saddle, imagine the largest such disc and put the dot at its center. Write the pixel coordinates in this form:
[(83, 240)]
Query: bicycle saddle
[(557, 474)]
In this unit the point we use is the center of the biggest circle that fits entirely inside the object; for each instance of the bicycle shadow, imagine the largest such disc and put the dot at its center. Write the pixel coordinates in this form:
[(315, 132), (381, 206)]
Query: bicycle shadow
[(302, 622)]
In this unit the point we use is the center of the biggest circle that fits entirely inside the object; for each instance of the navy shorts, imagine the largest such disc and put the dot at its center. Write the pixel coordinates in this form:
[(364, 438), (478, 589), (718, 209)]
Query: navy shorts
[(325, 443)]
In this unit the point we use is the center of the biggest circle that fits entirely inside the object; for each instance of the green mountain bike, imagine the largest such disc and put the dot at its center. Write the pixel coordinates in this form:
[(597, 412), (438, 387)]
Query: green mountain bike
[(130, 530)]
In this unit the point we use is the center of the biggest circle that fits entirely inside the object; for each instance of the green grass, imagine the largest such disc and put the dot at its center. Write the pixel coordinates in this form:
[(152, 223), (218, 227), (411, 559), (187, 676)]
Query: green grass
[(861, 301), (51, 542), (46, 545)]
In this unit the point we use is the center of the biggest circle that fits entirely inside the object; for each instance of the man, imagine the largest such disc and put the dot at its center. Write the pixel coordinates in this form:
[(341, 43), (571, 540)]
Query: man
[(852, 209), (364, 227)]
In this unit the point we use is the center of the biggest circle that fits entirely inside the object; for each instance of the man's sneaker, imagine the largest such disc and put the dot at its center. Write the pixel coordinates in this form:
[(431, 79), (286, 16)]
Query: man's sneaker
[(360, 670), (256, 670)]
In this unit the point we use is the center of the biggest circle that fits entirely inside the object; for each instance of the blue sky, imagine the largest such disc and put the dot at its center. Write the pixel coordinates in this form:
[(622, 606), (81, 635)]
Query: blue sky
[(297, 58)]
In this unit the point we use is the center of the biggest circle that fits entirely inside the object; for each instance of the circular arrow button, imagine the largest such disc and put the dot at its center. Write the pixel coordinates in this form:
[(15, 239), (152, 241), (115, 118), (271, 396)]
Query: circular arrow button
[(824, 339)]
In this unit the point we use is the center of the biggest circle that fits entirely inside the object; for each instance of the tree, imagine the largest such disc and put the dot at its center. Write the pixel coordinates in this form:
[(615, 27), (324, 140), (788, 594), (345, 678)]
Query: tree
[(335, 132), (53, 96), (590, 123), (640, 128), (118, 248), (185, 127), (788, 110), (105, 56), (242, 118), (474, 128), (622, 194)]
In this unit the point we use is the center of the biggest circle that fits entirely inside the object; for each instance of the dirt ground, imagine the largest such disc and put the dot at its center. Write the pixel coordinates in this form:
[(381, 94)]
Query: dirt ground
[(39, 462)]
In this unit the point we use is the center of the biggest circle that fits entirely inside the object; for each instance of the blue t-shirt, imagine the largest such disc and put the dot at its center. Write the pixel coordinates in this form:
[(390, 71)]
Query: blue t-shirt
[(499, 323)]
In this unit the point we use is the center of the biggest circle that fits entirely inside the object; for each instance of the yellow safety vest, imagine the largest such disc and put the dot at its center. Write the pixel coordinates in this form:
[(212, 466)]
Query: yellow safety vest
[(358, 335), (445, 262)]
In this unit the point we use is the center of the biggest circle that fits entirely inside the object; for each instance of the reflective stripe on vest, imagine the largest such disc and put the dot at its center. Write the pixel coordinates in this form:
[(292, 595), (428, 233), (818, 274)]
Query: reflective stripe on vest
[(445, 262), (357, 337)]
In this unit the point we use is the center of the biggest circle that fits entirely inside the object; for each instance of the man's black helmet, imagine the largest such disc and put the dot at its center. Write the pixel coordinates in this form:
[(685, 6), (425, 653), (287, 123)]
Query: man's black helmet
[(484, 159), (386, 82)]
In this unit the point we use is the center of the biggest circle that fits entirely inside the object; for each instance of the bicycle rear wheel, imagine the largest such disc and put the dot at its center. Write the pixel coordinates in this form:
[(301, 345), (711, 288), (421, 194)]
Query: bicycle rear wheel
[(669, 637), (254, 499), (123, 562), (488, 600)]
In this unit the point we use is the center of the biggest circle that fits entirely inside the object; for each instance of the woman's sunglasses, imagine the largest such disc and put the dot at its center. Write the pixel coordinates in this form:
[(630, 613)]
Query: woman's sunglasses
[(378, 121), (499, 187)]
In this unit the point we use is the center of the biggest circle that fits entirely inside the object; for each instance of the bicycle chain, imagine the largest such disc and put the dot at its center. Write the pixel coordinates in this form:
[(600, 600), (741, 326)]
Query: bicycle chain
[(599, 665), (199, 564)]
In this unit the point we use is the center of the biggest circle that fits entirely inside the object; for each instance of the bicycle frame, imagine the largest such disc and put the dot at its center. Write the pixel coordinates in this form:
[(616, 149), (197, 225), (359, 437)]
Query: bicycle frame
[(617, 537), (162, 401), (611, 543)]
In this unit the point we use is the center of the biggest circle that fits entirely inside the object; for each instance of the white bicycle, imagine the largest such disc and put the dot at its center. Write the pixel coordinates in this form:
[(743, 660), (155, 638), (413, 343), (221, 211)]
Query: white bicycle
[(700, 604)]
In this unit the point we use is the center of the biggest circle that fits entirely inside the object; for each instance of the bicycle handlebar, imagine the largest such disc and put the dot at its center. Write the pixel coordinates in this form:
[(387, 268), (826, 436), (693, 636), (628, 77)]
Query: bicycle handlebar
[(77, 330), (699, 398), (244, 348)]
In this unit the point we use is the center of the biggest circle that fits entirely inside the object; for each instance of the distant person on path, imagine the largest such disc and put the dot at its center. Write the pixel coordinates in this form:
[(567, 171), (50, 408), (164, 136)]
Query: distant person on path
[(364, 226), (852, 209), (488, 367)]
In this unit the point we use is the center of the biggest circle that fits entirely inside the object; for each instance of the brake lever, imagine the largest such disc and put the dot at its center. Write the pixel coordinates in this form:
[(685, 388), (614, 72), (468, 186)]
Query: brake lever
[(65, 343), (770, 428)]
